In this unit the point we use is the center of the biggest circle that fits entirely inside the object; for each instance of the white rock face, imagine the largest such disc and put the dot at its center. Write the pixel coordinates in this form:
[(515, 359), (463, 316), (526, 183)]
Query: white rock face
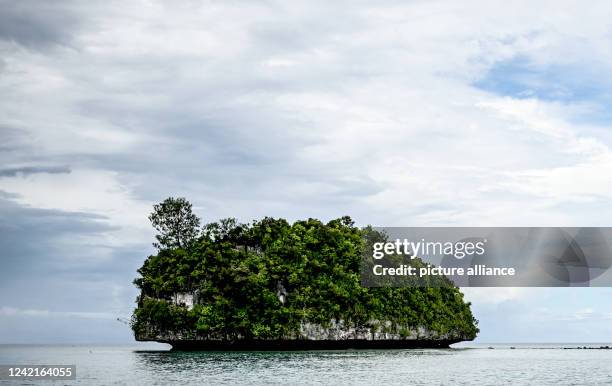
[(281, 293), (184, 298), (338, 330)]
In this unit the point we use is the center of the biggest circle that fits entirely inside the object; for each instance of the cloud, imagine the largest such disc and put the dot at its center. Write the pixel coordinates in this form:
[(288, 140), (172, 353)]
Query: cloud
[(556, 315), (405, 114), (59, 260), (38, 24), (578, 316), (25, 170), (10, 311), (495, 295), (295, 113)]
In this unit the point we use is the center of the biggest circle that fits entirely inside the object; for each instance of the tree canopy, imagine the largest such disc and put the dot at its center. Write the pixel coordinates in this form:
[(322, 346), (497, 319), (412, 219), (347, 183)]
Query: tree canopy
[(176, 223), (239, 270)]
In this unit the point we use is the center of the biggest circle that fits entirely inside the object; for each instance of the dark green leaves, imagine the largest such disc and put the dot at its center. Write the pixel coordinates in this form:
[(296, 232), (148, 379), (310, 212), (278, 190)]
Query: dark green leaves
[(266, 279), (175, 222)]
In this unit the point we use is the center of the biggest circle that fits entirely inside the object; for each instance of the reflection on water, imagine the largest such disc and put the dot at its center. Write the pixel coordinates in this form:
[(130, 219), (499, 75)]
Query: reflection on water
[(99, 365), (257, 361), (283, 366)]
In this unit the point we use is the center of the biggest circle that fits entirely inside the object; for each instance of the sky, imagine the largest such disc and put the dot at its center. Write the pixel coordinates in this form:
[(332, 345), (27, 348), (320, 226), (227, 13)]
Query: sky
[(397, 113)]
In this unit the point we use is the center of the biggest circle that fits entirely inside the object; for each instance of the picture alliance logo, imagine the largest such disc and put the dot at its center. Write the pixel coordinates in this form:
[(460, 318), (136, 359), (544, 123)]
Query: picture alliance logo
[(405, 247)]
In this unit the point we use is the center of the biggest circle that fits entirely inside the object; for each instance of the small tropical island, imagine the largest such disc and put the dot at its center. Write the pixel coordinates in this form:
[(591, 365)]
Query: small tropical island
[(275, 285)]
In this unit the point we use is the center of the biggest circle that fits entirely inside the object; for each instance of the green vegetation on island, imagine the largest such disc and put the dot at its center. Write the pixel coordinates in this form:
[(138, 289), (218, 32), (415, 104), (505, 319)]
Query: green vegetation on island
[(268, 279)]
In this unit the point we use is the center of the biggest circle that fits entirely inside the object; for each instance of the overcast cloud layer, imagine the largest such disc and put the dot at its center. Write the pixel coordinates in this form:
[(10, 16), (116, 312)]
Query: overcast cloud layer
[(396, 113)]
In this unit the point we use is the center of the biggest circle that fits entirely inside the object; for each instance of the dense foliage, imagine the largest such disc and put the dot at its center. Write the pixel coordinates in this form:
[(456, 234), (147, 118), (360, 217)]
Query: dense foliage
[(175, 223), (238, 272)]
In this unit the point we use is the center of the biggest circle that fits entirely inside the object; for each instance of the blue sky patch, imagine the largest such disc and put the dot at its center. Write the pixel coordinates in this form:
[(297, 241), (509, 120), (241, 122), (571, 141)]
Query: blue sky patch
[(575, 83), (521, 78)]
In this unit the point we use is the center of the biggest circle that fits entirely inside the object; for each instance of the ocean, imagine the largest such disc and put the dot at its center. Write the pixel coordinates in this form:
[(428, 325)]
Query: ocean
[(467, 364)]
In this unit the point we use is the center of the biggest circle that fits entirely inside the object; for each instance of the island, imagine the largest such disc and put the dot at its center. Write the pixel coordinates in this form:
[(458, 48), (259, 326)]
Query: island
[(276, 285)]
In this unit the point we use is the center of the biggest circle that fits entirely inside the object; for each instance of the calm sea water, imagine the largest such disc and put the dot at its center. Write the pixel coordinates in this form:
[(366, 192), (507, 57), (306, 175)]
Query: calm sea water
[(140, 365)]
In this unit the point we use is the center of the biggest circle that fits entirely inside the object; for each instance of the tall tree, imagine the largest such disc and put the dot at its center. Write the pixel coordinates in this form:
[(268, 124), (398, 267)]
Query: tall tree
[(176, 223)]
